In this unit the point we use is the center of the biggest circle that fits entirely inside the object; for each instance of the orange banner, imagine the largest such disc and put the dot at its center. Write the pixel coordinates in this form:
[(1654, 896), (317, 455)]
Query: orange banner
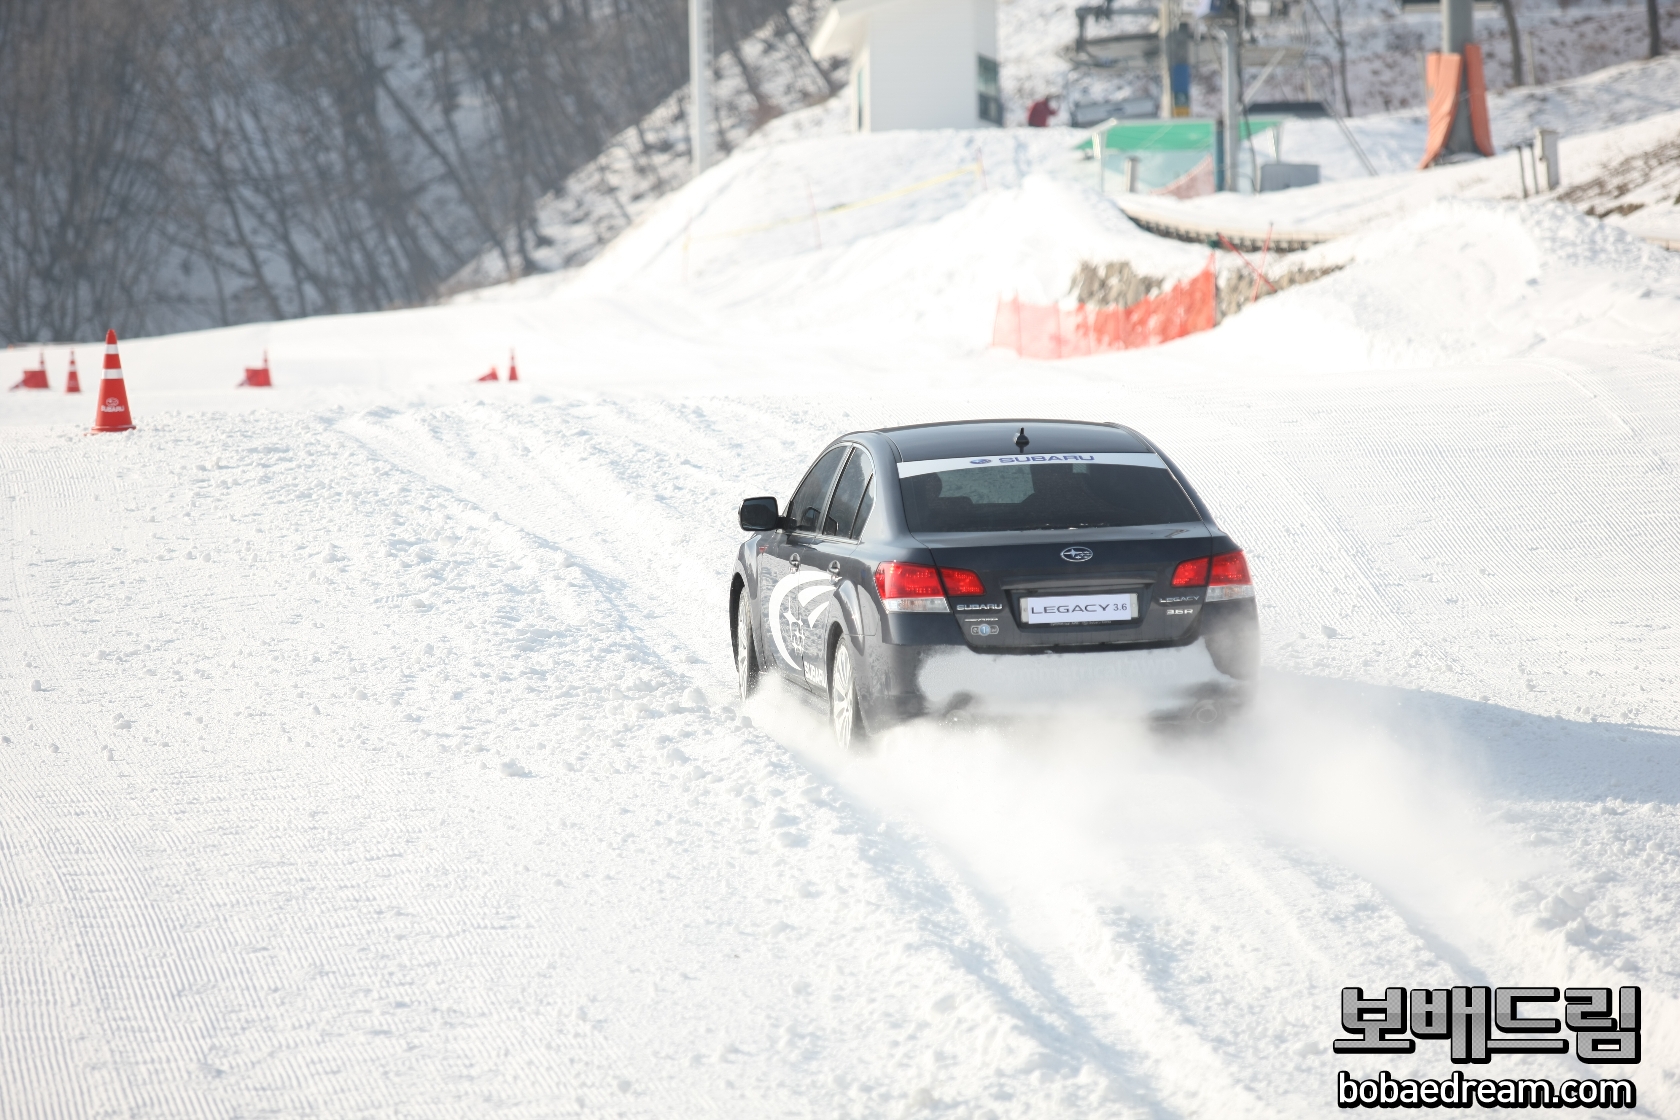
[(1443, 72), (1446, 74)]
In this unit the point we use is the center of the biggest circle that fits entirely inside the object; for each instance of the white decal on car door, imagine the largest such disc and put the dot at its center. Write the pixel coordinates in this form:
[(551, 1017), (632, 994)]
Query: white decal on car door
[(812, 637), (790, 624)]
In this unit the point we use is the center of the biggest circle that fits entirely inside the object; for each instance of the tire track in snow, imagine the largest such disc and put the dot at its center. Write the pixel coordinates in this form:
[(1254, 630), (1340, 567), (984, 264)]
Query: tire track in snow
[(1056, 969), (656, 432), (1010, 965), (1003, 968), (643, 432), (509, 475)]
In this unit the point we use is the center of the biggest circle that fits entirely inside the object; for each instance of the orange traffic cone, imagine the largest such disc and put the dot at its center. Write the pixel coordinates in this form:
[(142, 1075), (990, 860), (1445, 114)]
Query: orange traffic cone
[(113, 395), (491, 376), (35, 378), (513, 370), (257, 378), (73, 384)]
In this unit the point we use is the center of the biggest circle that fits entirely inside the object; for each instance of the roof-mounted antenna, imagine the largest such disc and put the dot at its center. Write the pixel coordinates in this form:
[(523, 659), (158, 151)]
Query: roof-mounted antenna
[(1021, 439)]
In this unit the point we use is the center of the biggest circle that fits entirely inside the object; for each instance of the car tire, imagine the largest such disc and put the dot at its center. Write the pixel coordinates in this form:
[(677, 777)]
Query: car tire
[(746, 650), (845, 717)]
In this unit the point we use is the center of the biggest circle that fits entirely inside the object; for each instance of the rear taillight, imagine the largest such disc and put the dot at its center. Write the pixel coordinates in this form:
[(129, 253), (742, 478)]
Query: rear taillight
[(1191, 573), (910, 587), (1225, 576), (1228, 577), (922, 587)]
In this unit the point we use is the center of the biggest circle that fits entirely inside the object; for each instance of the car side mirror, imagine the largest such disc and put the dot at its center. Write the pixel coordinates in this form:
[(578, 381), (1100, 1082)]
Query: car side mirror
[(760, 515)]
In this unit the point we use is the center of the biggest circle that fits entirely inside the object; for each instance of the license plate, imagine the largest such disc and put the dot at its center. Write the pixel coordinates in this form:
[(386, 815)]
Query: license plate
[(1040, 610)]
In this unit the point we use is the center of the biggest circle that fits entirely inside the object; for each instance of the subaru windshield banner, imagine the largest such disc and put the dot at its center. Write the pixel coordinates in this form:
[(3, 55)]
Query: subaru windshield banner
[(1474, 1025), (1107, 458)]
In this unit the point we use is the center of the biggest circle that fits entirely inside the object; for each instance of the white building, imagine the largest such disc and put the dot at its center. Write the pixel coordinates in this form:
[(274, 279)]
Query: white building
[(916, 63)]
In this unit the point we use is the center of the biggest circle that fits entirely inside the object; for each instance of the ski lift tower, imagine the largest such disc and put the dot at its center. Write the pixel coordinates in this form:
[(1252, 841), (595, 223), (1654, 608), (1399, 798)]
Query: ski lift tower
[(1458, 28), (1225, 19)]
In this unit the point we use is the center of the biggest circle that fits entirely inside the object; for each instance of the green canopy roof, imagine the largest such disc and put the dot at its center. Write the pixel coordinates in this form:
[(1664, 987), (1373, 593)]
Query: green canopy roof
[(1182, 135)]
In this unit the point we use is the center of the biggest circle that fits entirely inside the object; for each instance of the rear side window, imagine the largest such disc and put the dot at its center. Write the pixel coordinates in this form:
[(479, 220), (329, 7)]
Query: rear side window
[(1019, 497), (842, 519), (806, 506), (864, 508)]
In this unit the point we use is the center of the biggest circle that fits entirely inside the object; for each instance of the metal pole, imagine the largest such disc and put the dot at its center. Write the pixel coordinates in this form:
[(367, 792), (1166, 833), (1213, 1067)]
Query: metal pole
[(1458, 28), (700, 82), (1231, 75), (1167, 25)]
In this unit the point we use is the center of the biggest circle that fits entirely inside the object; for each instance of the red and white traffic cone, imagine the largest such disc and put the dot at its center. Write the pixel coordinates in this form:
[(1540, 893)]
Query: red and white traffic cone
[(73, 384), (491, 376), (35, 378), (513, 370), (256, 378), (113, 394)]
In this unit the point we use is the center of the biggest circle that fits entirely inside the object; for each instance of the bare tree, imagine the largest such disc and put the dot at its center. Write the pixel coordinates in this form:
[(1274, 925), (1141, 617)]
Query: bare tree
[(81, 194), (176, 163)]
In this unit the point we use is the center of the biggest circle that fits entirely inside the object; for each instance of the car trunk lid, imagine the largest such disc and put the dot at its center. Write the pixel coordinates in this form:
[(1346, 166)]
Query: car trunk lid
[(1068, 589)]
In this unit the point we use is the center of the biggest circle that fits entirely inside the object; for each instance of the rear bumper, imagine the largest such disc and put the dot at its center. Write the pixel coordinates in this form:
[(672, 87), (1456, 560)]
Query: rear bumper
[(911, 682)]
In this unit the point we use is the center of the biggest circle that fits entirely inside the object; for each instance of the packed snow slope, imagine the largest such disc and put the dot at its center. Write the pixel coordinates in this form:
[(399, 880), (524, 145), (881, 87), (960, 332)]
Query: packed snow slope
[(367, 745)]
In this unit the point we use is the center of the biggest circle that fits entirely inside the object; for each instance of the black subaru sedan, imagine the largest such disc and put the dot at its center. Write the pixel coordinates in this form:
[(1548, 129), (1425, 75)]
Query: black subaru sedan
[(994, 568)]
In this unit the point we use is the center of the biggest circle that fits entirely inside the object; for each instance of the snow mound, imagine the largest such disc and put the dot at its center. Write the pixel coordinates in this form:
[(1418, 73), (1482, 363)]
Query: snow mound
[(1469, 280), (917, 233)]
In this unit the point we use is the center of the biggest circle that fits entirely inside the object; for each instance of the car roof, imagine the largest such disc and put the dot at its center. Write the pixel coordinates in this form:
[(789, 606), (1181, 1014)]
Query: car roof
[(960, 438)]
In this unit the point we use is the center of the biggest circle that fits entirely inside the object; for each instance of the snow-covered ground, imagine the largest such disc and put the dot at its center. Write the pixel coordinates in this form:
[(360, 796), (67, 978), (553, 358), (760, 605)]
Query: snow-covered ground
[(383, 759)]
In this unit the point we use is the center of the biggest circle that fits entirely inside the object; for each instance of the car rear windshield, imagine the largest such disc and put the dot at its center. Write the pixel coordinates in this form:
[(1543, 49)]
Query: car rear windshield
[(1016, 497)]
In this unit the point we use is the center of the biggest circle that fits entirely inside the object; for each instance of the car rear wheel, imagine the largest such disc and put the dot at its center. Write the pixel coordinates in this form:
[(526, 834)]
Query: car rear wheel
[(842, 700), (746, 653)]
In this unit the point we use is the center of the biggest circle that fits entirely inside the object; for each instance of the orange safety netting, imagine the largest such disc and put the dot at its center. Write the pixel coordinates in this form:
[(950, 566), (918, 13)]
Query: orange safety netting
[(1053, 331), (1447, 74)]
